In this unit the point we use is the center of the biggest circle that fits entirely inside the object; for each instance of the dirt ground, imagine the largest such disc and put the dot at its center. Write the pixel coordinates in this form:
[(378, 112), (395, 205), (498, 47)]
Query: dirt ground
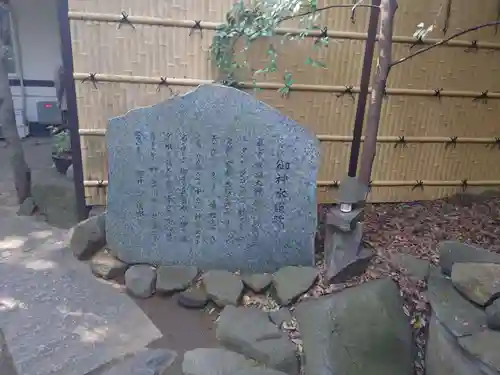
[(182, 329)]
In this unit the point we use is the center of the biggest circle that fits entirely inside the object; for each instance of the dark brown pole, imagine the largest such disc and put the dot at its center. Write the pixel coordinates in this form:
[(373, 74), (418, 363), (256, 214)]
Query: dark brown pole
[(69, 88), (363, 87), (387, 10)]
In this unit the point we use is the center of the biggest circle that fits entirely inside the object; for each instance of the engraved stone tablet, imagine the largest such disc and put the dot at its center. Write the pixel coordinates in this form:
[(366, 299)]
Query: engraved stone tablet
[(214, 179)]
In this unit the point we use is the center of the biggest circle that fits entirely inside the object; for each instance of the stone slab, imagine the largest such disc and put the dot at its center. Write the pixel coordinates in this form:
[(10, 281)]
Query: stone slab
[(359, 331), (214, 179), (456, 313), (451, 252), (479, 282), (58, 318), (444, 356)]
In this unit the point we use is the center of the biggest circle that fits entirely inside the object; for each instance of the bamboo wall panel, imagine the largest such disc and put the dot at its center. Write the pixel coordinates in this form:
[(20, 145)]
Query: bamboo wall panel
[(164, 51), (153, 51)]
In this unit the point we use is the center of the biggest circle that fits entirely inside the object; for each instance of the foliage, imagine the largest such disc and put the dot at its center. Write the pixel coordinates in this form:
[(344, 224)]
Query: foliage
[(61, 141), (259, 20)]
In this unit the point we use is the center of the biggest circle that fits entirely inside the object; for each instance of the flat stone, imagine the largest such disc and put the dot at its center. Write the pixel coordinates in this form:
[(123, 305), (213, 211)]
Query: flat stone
[(451, 252), (413, 266), (249, 331), (140, 281), (171, 279), (7, 366), (260, 214), (208, 361), (146, 362), (345, 257), (361, 330), (456, 313), (258, 282), (291, 282), (195, 298), (88, 237), (106, 266), (444, 356), (485, 346), (223, 287), (27, 208), (493, 315), (479, 282), (280, 316)]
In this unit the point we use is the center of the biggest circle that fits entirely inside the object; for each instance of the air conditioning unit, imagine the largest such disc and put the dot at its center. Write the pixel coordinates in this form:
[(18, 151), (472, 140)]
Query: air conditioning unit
[(48, 113)]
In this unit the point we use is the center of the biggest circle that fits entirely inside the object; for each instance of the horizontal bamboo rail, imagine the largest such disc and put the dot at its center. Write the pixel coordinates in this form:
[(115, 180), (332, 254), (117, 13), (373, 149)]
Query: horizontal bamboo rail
[(155, 21), (348, 138), (193, 82), (416, 183)]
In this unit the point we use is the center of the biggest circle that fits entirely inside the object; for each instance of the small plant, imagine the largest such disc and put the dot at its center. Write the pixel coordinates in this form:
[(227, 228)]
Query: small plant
[(61, 142)]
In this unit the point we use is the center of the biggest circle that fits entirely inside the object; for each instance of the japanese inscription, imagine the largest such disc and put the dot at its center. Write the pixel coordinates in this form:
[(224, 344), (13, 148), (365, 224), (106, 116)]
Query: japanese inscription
[(217, 180)]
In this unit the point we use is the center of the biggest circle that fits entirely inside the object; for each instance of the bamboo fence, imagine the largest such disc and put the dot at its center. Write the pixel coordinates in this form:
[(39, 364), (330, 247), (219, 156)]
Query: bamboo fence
[(440, 125)]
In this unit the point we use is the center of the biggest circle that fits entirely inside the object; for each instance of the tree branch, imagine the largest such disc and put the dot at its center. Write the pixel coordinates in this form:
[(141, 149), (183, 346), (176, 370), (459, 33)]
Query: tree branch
[(352, 6), (444, 41)]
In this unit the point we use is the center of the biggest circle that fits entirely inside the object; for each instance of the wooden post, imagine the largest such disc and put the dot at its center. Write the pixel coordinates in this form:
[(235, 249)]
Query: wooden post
[(20, 170), (387, 10)]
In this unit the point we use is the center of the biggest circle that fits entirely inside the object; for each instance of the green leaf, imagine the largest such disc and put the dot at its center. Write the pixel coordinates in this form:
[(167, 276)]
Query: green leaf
[(315, 63)]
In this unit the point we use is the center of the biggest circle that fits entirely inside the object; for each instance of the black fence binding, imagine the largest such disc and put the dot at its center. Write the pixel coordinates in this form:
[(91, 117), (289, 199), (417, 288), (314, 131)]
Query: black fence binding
[(452, 142), (418, 185), (196, 26), (349, 90), (125, 21), (401, 142), (91, 78), (483, 97)]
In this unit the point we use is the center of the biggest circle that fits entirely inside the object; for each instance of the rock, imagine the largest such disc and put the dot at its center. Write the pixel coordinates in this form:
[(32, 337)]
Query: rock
[(257, 282), (485, 347), (444, 356), (493, 315), (361, 330), (290, 282), (195, 298), (451, 252), (88, 237), (249, 331), (147, 362), (69, 173), (414, 267), (479, 282), (7, 366), (457, 314), (204, 361), (140, 281), (56, 202), (223, 287), (104, 265), (171, 279), (27, 208), (280, 316)]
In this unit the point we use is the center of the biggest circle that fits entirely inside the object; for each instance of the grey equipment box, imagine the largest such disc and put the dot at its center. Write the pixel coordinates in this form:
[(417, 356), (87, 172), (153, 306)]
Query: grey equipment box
[(48, 113)]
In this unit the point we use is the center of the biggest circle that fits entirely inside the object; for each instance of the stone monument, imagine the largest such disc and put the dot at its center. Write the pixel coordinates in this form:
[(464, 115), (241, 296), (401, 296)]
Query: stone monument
[(213, 178)]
